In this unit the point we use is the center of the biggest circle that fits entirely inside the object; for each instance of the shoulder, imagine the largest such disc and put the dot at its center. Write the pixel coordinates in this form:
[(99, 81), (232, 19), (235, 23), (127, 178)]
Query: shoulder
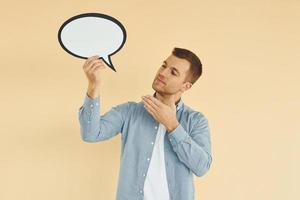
[(193, 115), (128, 106), (195, 121)]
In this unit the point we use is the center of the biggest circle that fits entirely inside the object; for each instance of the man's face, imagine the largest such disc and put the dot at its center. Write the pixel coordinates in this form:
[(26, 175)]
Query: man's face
[(172, 73)]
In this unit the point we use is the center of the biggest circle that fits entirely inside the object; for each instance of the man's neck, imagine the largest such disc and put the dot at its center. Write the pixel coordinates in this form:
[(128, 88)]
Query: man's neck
[(164, 98)]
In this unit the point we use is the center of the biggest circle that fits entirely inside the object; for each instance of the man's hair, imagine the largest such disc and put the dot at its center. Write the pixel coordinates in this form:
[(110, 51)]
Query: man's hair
[(195, 69)]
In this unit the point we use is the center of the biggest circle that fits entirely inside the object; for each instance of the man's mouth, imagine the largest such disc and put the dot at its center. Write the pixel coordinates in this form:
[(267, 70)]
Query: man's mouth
[(158, 80)]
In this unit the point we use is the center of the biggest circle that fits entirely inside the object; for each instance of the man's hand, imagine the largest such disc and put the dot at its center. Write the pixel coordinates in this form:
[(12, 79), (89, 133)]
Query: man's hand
[(92, 68), (163, 113)]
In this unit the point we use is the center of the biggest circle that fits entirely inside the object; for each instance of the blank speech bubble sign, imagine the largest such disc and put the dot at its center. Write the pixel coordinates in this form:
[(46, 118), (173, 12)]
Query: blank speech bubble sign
[(91, 34)]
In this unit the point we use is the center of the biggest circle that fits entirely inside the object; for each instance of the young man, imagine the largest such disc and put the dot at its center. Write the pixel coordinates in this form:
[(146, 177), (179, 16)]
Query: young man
[(164, 142)]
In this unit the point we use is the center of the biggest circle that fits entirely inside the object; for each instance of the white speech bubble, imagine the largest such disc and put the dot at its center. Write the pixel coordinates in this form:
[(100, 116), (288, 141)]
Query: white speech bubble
[(91, 34)]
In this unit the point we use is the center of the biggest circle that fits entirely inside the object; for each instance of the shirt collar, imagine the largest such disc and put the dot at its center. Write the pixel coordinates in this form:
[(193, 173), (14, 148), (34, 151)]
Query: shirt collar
[(178, 105)]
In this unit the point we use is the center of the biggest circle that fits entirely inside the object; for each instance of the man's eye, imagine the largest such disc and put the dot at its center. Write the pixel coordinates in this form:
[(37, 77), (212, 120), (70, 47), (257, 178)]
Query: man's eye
[(173, 73), (163, 66)]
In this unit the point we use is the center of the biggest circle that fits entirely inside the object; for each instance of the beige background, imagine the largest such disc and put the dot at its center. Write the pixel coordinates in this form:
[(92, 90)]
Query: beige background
[(249, 91)]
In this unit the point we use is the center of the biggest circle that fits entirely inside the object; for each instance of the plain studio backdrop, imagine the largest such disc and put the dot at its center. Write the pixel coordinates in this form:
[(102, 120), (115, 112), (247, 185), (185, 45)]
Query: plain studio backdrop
[(249, 92)]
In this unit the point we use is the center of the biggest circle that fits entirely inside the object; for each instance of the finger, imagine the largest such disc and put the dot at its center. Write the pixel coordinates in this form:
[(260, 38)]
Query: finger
[(151, 103), (150, 111), (154, 100), (88, 65), (94, 67), (93, 64), (150, 107), (91, 59), (99, 67), (96, 62)]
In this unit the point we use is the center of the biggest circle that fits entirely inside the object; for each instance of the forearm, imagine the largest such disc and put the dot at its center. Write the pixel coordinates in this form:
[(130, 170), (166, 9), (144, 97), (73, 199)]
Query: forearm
[(95, 127), (195, 155), (89, 118), (93, 91)]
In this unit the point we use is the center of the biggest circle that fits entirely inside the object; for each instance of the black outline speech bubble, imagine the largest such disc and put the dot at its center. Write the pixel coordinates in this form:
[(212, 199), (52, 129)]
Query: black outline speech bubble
[(94, 15)]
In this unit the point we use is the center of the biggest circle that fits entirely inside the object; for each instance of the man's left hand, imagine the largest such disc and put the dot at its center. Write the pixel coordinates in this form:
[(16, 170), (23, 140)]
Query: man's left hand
[(161, 112)]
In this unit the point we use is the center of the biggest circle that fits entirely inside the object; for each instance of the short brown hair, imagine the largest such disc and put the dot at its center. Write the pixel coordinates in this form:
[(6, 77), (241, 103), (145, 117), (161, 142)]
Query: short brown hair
[(195, 63)]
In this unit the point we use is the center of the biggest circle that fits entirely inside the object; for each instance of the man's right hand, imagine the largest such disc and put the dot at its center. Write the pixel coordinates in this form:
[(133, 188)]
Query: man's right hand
[(92, 68)]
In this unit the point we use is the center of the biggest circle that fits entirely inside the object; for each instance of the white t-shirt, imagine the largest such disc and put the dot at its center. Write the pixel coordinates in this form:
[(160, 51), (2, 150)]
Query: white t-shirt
[(156, 185)]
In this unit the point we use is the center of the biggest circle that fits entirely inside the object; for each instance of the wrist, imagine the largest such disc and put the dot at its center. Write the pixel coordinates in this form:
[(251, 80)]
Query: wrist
[(93, 91), (93, 86), (172, 126)]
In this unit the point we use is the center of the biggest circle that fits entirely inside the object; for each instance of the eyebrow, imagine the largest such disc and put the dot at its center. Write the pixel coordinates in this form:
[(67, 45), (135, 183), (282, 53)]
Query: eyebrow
[(165, 62)]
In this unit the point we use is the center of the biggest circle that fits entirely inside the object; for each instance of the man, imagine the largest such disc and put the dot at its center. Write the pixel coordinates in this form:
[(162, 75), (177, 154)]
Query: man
[(164, 142)]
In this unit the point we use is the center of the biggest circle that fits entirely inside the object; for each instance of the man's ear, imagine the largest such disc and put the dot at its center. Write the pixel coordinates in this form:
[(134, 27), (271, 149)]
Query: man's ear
[(186, 86)]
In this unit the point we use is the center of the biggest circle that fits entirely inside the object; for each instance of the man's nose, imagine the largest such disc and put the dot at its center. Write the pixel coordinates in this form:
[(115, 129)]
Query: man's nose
[(163, 73)]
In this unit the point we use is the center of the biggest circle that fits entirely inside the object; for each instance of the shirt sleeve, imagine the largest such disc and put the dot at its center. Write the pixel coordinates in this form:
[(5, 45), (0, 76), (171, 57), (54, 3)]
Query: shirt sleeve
[(95, 127), (194, 149)]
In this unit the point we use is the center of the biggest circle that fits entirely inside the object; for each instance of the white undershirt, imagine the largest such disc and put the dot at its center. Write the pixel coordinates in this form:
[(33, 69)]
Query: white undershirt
[(156, 185)]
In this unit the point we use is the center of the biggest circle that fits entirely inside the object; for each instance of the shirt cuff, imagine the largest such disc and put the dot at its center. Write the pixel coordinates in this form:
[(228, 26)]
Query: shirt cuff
[(91, 102), (177, 135)]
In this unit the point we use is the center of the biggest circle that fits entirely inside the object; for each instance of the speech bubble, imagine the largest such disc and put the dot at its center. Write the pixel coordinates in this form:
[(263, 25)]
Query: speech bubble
[(91, 34)]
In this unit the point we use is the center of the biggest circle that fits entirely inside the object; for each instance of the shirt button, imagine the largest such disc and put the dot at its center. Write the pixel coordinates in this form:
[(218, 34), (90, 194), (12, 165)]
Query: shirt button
[(148, 159), (97, 104), (152, 143), (170, 139), (155, 127), (92, 105), (141, 191), (144, 174)]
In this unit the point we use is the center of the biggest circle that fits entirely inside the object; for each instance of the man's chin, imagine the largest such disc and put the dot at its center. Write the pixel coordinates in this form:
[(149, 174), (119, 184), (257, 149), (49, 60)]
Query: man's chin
[(154, 87)]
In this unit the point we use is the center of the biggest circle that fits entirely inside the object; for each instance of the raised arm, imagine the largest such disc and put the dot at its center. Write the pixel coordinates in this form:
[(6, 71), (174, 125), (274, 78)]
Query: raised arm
[(93, 126)]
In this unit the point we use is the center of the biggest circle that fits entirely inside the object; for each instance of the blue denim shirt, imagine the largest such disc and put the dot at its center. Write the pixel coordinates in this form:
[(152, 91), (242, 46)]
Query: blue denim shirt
[(187, 148)]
